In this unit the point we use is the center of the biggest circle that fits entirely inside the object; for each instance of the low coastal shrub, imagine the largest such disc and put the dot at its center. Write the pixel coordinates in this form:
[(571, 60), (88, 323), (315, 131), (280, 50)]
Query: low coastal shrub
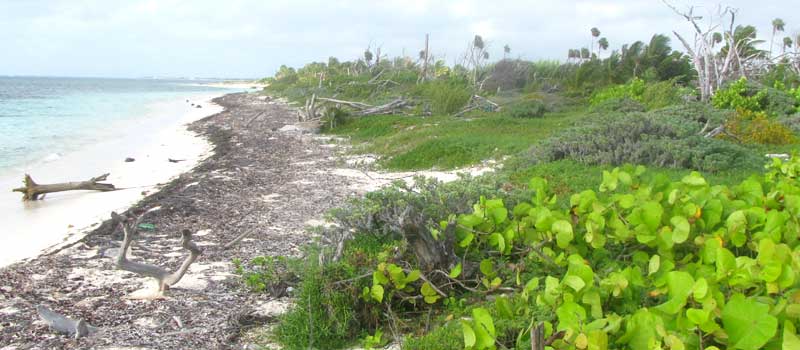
[(650, 95), (526, 109), (756, 127), (446, 96), (664, 138), (637, 261), (619, 105)]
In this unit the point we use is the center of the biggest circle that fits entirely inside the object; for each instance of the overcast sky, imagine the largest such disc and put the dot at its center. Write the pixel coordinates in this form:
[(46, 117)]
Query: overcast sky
[(252, 38)]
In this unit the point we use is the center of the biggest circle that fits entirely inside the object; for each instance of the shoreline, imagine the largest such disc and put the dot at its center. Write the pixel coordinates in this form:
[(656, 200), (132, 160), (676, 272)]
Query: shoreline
[(63, 218)]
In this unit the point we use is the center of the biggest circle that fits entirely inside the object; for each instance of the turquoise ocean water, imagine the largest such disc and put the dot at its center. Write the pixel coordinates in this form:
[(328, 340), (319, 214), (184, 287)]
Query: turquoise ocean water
[(42, 118)]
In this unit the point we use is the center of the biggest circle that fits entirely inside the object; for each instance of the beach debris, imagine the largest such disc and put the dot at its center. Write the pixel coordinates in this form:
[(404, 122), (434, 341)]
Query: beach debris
[(33, 191), (64, 325), (129, 159), (164, 278), (147, 226), (175, 160), (309, 112)]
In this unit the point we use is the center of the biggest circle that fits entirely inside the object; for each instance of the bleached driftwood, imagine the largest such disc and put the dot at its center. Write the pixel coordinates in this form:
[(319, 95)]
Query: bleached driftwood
[(385, 108), (164, 278), (64, 325), (33, 191)]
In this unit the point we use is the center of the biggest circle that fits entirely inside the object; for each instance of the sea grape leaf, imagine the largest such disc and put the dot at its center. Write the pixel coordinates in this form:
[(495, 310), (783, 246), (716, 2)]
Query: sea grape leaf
[(377, 292), (680, 285), (655, 263), (640, 330), (503, 307), (484, 320), (694, 179), (574, 282), (748, 323), (598, 340), (469, 334), (700, 289), (681, 229), (428, 293), (790, 339), (570, 316), (487, 267), (455, 271), (651, 214), (563, 231), (737, 227)]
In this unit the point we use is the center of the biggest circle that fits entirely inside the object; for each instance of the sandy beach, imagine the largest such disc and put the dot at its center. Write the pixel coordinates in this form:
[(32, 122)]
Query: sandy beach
[(36, 226)]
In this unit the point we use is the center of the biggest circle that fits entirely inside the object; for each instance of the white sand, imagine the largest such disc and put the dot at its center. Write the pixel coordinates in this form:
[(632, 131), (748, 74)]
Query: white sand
[(29, 228)]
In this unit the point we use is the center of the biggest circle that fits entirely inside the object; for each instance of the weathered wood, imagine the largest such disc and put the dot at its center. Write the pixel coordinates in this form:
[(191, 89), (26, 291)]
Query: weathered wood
[(384, 109), (164, 278), (33, 191), (356, 105), (65, 325), (537, 337)]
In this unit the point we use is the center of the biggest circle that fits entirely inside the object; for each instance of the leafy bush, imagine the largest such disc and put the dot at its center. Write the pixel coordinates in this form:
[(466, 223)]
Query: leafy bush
[(445, 96), (755, 127), (664, 138), (651, 96), (632, 90), (779, 103), (740, 95), (620, 105), (526, 109), (646, 263)]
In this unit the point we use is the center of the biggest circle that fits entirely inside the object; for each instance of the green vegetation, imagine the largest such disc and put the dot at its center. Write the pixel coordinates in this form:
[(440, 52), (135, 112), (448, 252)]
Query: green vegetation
[(572, 235)]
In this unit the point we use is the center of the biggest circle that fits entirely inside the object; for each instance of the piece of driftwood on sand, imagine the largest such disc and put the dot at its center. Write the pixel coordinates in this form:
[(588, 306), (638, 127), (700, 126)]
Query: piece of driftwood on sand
[(33, 191)]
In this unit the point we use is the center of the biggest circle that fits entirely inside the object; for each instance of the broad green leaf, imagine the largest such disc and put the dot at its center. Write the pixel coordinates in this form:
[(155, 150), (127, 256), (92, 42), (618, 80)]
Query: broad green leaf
[(737, 227), (482, 318), (700, 289), (379, 277), (469, 334), (582, 341), (694, 179), (679, 284), (428, 293), (470, 220), (681, 229), (697, 316), (725, 263), (570, 316), (503, 307), (748, 323), (640, 330), (655, 263), (487, 267), (574, 282), (496, 239), (790, 339), (377, 293), (563, 231), (598, 340), (651, 215), (413, 276), (456, 271)]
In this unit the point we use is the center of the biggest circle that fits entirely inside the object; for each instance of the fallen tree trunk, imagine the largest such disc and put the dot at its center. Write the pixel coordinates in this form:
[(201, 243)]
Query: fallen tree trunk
[(356, 105), (33, 191), (384, 109)]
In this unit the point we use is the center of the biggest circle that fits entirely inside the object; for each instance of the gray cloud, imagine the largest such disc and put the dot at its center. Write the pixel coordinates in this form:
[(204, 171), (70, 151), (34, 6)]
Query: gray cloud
[(251, 38)]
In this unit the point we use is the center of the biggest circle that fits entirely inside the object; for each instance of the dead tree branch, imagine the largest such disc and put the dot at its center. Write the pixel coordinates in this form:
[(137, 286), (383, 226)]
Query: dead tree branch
[(164, 278), (65, 325), (33, 191)]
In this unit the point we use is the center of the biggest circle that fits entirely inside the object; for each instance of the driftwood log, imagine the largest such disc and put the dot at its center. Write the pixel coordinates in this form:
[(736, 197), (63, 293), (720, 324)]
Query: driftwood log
[(33, 191), (164, 278), (309, 112), (63, 324)]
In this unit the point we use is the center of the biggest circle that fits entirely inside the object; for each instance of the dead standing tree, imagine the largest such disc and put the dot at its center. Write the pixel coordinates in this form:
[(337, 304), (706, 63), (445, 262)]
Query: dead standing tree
[(713, 67), (33, 191)]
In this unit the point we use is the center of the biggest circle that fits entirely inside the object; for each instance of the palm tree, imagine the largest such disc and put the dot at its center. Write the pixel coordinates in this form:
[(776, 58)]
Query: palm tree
[(506, 51), (787, 42), (595, 34), (777, 26), (602, 44)]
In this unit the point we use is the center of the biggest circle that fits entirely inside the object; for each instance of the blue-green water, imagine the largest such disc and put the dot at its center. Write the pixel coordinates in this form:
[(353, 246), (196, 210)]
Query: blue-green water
[(43, 118)]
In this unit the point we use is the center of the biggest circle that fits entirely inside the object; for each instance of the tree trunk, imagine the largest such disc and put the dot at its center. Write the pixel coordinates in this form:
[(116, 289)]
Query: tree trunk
[(33, 191)]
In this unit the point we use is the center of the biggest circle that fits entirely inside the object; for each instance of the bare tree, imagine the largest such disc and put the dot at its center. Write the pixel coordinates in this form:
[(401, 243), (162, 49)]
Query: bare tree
[(713, 67), (475, 57), (777, 26)]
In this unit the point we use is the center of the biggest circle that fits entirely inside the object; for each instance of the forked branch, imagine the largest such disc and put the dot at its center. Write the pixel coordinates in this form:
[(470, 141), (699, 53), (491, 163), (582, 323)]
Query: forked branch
[(164, 278), (33, 191)]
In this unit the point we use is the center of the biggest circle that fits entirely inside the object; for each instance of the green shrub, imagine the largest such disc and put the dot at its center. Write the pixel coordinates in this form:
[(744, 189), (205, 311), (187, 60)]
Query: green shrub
[(445, 96), (756, 127), (447, 336), (740, 95), (620, 105), (664, 138), (526, 109), (650, 95), (779, 103)]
